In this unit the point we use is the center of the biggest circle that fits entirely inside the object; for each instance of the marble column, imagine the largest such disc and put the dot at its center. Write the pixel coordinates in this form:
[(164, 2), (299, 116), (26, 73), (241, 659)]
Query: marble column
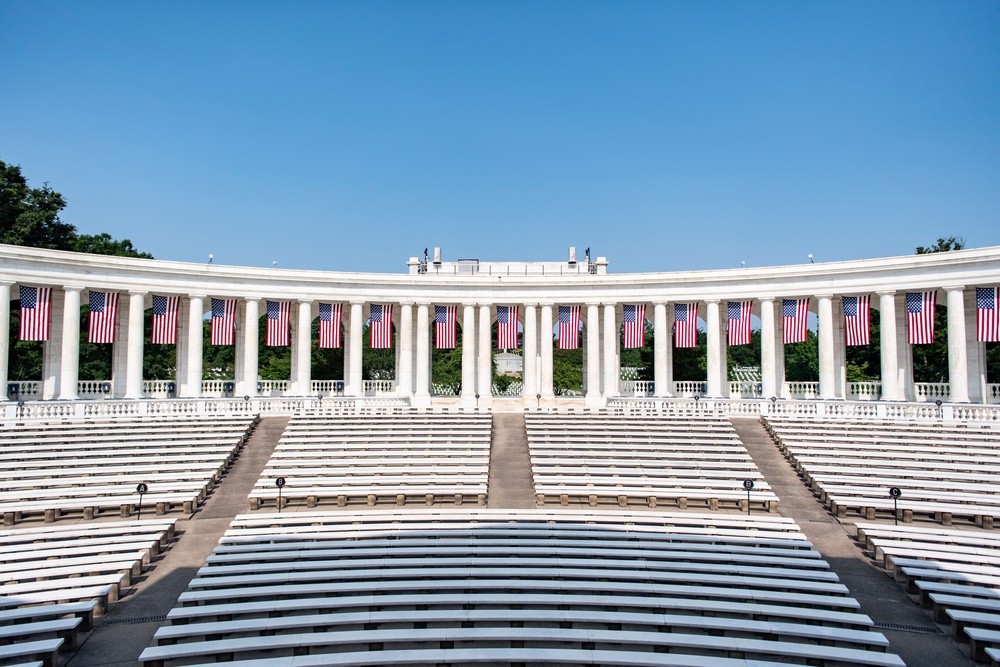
[(958, 364), (251, 344), (468, 355), (355, 386), (545, 353), (661, 348), (529, 387), (485, 357), (195, 355), (303, 349), (4, 337), (887, 346), (69, 357), (768, 345), (422, 392), (611, 385), (136, 338), (714, 365), (404, 384), (593, 397), (827, 372)]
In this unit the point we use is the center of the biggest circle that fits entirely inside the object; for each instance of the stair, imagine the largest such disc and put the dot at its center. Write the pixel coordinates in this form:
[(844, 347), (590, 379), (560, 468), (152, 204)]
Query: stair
[(510, 482)]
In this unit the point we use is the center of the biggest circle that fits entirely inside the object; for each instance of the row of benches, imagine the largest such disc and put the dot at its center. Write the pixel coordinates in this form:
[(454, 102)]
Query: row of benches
[(957, 573), (87, 467), (941, 471), (58, 577), (450, 586), (401, 458), (642, 460)]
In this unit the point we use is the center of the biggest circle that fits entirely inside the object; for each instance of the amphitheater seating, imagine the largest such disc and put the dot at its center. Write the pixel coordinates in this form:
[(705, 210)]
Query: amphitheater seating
[(955, 572), (944, 472), (641, 460), (466, 585), (57, 578), (87, 466), (398, 457)]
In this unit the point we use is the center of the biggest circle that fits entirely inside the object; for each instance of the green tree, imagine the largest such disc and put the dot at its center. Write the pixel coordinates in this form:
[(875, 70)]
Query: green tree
[(30, 216)]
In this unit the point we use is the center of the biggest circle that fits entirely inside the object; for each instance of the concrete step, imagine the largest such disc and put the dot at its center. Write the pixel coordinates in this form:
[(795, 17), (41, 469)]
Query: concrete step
[(510, 483)]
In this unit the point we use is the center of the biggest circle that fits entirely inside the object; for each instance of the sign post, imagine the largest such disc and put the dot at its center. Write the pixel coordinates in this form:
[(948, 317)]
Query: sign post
[(141, 489), (748, 485), (279, 482), (895, 493)]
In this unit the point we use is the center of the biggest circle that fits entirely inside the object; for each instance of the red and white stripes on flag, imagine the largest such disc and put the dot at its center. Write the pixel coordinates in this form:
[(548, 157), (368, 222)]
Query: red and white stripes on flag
[(987, 311), (569, 327), (223, 322), (857, 319), (445, 318), (738, 326), (795, 319), (634, 324), (507, 328), (685, 325), (164, 320), (380, 327), (329, 325), (36, 306), (103, 317), (279, 315), (920, 307)]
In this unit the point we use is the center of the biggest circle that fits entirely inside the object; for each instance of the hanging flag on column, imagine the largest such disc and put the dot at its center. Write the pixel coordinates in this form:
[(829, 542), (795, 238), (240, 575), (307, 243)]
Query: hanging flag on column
[(278, 317), (164, 320), (920, 308), (329, 325), (685, 325), (102, 318), (444, 327), (36, 305), (380, 328), (634, 324), (223, 322), (795, 319), (987, 322), (569, 327), (738, 326), (507, 328), (857, 319)]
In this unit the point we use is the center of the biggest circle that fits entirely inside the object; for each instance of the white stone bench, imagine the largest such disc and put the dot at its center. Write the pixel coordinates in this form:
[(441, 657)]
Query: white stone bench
[(46, 649), (979, 640)]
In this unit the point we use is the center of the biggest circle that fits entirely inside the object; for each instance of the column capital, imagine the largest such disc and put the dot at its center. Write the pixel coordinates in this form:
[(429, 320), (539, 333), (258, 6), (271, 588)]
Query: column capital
[(954, 288), (613, 304), (824, 296), (548, 304), (6, 283), (73, 288), (765, 299), (484, 305), (197, 296), (532, 304), (138, 292), (305, 302), (593, 304), (716, 301), (252, 299), (887, 292), (356, 302), (468, 304), (407, 302)]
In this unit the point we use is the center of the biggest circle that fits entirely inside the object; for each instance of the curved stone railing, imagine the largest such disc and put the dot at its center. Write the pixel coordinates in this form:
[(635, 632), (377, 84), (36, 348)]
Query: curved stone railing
[(744, 389), (213, 387), (864, 391), (993, 393), (327, 387), (27, 390), (686, 388), (93, 388), (379, 387), (273, 387), (158, 388), (636, 387), (798, 390), (931, 391)]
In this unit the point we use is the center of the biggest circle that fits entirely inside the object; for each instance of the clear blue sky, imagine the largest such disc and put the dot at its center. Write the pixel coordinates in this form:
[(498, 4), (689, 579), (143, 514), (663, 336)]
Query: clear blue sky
[(350, 135)]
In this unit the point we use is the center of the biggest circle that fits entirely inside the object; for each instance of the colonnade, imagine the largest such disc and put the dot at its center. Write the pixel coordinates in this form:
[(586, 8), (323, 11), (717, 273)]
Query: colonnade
[(413, 341)]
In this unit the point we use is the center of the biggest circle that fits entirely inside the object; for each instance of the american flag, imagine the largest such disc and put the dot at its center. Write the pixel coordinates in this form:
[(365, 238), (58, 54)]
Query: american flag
[(920, 308), (795, 319), (685, 324), (329, 325), (634, 324), (444, 327), (380, 329), (36, 304), (987, 322), (738, 327), (569, 327), (278, 316), (164, 320), (507, 328), (102, 318), (223, 321), (857, 319)]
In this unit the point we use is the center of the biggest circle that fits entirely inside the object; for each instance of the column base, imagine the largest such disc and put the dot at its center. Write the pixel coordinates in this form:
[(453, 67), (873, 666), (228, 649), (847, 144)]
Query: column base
[(421, 401)]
